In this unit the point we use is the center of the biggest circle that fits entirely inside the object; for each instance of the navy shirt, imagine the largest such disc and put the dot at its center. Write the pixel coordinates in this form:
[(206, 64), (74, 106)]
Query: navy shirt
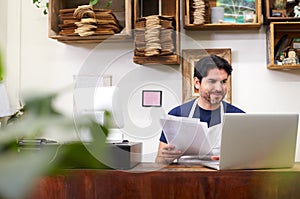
[(210, 117)]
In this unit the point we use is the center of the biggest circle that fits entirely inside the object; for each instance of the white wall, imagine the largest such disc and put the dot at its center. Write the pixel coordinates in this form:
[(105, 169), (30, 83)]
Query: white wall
[(3, 23), (37, 63)]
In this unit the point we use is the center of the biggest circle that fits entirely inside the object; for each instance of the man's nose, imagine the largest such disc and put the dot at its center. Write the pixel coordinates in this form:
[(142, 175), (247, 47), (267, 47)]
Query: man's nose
[(219, 86)]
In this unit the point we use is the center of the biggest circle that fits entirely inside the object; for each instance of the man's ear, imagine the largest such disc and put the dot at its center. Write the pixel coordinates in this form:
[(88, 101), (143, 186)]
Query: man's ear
[(196, 83)]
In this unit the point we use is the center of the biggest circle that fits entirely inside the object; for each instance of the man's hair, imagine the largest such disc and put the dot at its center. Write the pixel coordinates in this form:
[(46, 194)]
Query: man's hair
[(209, 62)]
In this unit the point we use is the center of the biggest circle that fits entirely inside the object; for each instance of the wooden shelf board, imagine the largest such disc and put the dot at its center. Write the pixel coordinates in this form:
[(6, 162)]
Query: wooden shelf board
[(284, 67), (168, 59), (225, 26), (91, 39), (284, 19)]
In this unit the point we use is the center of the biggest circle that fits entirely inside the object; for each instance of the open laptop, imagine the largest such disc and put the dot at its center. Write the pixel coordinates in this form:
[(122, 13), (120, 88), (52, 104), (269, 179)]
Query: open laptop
[(257, 141)]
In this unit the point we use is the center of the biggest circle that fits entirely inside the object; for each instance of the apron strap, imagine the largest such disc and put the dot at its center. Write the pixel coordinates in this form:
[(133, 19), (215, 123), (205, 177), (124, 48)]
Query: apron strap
[(192, 111)]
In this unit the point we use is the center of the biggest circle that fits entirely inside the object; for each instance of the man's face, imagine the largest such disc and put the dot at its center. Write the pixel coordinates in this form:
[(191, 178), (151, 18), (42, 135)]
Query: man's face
[(213, 87)]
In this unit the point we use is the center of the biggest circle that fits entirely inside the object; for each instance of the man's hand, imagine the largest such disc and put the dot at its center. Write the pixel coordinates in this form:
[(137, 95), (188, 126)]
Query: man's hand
[(215, 157), (167, 153)]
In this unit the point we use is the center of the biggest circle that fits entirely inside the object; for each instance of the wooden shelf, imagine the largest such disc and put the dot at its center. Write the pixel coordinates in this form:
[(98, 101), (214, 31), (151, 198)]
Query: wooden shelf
[(275, 33), (167, 8), (188, 18), (122, 9), (286, 24), (269, 6)]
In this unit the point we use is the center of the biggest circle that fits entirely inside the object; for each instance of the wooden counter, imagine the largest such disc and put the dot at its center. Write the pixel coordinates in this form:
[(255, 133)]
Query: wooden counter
[(149, 180)]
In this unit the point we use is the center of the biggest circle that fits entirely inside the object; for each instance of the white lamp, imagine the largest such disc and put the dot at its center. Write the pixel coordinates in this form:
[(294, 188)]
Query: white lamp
[(108, 99)]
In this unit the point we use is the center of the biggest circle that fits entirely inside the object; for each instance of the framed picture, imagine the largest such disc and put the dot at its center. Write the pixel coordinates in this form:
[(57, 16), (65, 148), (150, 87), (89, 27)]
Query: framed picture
[(241, 11), (189, 59), (151, 98)]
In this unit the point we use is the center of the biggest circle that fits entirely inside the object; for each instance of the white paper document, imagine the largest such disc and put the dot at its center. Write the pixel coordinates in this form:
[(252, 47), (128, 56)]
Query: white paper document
[(187, 134)]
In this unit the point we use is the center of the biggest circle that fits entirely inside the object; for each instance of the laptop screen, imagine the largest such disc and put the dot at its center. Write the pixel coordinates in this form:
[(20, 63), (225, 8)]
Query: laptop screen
[(253, 141)]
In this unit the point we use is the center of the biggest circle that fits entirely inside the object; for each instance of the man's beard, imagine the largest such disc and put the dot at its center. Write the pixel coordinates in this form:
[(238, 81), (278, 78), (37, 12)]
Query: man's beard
[(214, 100)]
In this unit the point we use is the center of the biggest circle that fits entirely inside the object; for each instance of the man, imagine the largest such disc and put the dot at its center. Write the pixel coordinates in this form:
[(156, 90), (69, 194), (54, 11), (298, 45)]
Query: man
[(210, 79)]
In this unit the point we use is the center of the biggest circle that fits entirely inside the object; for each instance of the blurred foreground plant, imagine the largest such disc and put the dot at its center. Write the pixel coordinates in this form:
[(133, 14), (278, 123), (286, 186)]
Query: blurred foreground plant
[(20, 167)]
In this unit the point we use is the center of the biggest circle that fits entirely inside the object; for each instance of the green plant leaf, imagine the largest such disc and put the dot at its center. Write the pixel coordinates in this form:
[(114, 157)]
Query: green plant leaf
[(93, 2), (108, 4), (39, 4), (41, 105)]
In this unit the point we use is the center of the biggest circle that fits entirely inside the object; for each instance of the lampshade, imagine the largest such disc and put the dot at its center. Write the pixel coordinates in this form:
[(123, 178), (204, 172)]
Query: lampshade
[(108, 99)]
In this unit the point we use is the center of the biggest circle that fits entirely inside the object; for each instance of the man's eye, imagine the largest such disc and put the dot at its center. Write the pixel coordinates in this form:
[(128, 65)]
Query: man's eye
[(224, 81)]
